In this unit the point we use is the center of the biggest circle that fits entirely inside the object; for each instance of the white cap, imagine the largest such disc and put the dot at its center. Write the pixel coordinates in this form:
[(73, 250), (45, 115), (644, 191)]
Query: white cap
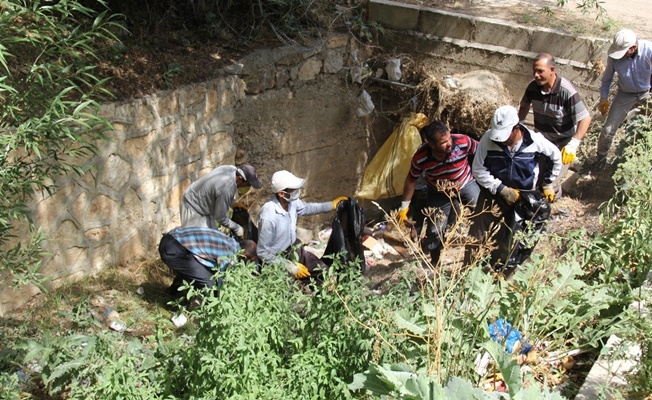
[(282, 180), (504, 120), (623, 40)]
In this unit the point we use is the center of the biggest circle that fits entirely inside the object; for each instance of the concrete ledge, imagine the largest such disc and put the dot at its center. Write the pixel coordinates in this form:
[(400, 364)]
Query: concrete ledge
[(486, 31)]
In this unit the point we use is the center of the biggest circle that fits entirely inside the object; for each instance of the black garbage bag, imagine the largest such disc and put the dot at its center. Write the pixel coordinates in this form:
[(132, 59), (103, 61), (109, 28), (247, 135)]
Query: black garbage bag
[(535, 211), (345, 243), (241, 217)]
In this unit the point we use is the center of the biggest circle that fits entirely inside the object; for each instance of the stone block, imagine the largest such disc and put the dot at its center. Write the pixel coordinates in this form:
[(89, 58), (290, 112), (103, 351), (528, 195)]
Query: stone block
[(260, 81), (115, 173), (191, 97), (131, 251), (189, 123), (145, 115), (309, 69), (196, 145), (333, 60), (173, 198), (97, 234), (168, 105), (499, 33), (101, 208), (394, 15), (137, 147), (337, 41)]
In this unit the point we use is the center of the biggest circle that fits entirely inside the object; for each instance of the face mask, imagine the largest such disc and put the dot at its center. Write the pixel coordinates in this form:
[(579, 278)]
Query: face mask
[(294, 196), (243, 190)]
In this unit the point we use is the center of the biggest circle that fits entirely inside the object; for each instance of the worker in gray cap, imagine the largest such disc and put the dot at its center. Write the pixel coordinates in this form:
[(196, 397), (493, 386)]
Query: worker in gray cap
[(631, 58), (207, 200)]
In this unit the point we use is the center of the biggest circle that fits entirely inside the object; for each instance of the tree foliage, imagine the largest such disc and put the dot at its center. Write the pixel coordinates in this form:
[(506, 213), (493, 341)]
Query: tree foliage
[(48, 111)]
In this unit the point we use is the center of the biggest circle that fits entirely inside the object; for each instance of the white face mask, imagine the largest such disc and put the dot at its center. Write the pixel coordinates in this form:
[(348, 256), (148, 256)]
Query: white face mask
[(294, 196)]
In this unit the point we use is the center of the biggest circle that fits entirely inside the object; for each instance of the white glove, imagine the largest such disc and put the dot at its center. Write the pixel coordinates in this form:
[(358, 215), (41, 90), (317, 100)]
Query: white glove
[(569, 152), (238, 231)]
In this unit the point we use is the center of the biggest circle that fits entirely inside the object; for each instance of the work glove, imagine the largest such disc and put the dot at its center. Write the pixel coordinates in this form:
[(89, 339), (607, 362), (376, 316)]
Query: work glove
[(510, 195), (297, 270), (569, 151), (403, 211), (238, 231), (338, 201), (549, 193), (603, 106)]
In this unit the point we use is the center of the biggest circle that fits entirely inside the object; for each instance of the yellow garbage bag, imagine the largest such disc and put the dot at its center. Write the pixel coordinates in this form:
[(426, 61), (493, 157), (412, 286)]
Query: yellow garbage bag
[(385, 174)]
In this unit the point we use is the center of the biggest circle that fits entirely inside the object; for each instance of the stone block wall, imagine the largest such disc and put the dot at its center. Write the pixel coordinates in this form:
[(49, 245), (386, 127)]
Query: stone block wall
[(284, 108)]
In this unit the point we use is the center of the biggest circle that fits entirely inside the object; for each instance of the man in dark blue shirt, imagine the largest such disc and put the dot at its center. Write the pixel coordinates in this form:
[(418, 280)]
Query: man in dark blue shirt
[(198, 253)]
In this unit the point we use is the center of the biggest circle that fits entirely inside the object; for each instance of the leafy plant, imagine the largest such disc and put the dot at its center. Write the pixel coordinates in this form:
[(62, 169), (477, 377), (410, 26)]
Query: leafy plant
[(48, 112)]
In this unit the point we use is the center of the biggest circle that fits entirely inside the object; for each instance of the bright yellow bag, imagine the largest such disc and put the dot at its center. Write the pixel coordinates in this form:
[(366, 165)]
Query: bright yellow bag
[(385, 175)]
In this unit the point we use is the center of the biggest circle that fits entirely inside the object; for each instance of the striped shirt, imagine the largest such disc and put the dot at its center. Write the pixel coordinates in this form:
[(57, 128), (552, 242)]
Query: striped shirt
[(455, 168), (556, 113), (209, 246)]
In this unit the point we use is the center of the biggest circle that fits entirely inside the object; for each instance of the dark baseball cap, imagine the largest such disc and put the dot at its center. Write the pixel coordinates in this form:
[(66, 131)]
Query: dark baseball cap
[(248, 173)]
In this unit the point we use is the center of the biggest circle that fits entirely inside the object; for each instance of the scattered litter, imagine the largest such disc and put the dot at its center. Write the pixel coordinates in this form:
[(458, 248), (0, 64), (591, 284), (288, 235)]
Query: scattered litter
[(325, 234), (393, 69), (140, 291), (365, 104), (502, 331), (481, 363), (179, 320), (118, 325)]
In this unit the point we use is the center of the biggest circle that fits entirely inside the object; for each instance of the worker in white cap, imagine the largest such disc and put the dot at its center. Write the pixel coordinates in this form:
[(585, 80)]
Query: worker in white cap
[(506, 162), (631, 58), (277, 226), (207, 201)]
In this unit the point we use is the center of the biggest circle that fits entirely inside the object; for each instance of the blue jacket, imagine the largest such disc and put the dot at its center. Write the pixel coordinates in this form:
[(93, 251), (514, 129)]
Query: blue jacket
[(495, 167)]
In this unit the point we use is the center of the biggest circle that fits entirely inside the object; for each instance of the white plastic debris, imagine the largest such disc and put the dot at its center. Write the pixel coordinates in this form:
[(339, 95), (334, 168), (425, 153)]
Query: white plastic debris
[(365, 105), (179, 320), (393, 69), (118, 325), (481, 363), (140, 291), (451, 83)]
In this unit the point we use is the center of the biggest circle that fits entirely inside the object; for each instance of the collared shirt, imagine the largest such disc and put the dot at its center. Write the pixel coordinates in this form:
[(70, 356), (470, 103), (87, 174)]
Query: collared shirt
[(213, 194), (209, 246), (277, 228), (455, 168), (634, 74), (556, 113)]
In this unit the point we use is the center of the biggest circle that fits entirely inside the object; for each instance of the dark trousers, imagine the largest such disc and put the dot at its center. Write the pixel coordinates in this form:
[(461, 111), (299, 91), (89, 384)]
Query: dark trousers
[(486, 225), (447, 210), (184, 264)]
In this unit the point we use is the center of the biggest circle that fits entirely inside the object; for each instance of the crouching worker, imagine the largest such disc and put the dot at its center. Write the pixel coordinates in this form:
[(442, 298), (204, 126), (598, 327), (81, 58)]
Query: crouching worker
[(277, 227), (196, 254), (507, 163)]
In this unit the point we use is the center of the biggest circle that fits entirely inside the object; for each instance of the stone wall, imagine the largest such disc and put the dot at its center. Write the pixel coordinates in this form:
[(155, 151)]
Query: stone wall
[(285, 108)]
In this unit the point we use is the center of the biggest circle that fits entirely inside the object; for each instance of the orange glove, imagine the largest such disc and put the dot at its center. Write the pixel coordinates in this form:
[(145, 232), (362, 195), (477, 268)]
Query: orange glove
[(569, 152), (403, 211), (338, 200), (549, 193)]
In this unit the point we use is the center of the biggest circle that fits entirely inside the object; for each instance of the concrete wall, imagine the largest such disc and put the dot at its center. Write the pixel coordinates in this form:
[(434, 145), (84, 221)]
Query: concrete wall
[(453, 43), (283, 108)]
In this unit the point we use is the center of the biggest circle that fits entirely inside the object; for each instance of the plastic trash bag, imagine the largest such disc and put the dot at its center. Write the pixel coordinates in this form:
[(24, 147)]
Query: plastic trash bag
[(365, 105), (385, 175), (345, 242), (502, 331)]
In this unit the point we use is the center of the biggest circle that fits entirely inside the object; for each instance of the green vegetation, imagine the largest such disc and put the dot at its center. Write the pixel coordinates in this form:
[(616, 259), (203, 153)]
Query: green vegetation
[(48, 113)]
